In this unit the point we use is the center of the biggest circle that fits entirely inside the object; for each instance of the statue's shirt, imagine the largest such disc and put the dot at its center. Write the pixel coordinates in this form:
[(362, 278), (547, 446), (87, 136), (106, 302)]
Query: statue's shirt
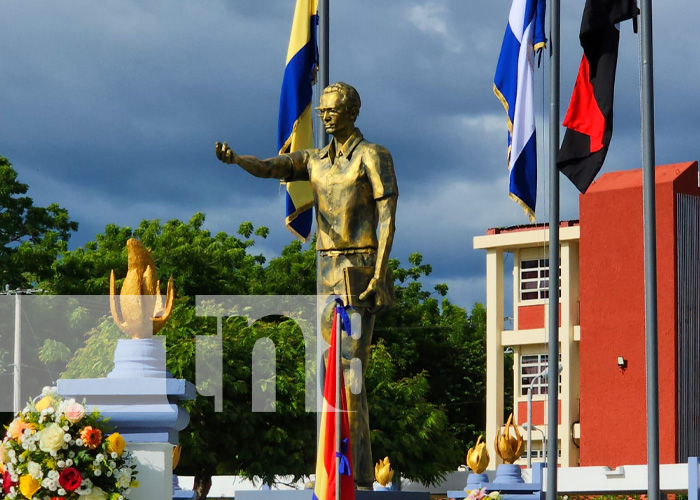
[(346, 180)]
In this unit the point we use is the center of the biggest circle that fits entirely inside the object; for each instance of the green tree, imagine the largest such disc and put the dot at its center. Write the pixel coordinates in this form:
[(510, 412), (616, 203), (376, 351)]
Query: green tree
[(437, 350), (425, 380), (30, 237)]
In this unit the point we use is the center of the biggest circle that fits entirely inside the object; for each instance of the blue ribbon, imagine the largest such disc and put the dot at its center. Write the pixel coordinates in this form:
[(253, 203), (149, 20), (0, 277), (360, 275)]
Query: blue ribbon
[(344, 469), (345, 319)]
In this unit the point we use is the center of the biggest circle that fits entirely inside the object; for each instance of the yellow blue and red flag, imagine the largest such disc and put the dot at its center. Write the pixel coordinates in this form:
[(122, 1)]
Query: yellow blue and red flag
[(514, 87), (324, 488), (294, 128)]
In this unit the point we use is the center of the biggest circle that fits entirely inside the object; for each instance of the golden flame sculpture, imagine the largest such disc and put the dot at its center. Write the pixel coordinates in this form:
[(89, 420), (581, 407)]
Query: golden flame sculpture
[(139, 311), (509, 448), (177, 453), (478, 457), (383, 472)]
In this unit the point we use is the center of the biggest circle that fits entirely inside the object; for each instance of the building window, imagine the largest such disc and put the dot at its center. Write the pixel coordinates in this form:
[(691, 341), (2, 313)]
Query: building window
[(530, 366), (538, 453), (534, 279)]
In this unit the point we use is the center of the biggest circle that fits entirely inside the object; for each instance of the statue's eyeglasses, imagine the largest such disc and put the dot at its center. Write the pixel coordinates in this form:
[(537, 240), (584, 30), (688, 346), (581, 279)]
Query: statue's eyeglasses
[(322, 111)]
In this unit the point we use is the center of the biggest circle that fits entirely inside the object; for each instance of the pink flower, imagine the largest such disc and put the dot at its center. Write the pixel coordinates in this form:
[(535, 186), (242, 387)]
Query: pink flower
[(477, 494), (74, 412)]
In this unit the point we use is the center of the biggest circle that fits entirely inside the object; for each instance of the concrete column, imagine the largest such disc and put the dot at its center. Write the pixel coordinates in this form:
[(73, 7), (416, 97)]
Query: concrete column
[(569, 352), (494, 349), (155, 471)]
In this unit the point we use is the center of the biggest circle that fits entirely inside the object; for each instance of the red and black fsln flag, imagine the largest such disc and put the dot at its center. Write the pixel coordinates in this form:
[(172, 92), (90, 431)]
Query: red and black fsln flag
[(589, 119)]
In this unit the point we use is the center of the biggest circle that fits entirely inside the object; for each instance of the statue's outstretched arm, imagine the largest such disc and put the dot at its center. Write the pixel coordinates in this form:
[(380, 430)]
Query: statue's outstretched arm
[(277, 167)]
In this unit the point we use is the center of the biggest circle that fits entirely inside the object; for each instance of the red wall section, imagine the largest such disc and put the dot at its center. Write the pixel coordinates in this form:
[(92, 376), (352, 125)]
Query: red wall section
[(531, 317), (538, 413), (613, 402)]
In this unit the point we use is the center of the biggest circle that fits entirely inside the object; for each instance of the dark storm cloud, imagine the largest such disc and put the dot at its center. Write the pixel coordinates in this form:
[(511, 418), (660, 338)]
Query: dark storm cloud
[(112, 108)]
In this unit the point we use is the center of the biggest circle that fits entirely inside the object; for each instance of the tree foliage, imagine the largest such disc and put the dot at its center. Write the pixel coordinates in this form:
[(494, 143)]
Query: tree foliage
[(430, 347), (30, 237), (425, 380)]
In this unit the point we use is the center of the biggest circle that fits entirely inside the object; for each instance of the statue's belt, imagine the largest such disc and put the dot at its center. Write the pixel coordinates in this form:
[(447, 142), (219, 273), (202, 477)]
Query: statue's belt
[(347, 251)]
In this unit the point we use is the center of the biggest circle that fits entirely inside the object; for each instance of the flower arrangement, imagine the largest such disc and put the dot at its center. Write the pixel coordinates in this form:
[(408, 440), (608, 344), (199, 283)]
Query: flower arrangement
[(481, 494), (57, 450)]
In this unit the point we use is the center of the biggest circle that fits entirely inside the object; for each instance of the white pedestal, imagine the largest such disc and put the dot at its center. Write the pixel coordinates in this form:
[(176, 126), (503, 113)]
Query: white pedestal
[(155, 471)]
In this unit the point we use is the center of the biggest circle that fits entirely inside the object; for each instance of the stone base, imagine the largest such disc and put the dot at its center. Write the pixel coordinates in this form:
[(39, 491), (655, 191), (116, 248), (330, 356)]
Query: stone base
[(476, 481), (140, 358), (139, 396), (307, 494), (142, 410), (154, 463)]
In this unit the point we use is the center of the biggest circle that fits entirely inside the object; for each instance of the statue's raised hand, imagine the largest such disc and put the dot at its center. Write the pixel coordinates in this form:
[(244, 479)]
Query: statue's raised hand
[(225, 153)]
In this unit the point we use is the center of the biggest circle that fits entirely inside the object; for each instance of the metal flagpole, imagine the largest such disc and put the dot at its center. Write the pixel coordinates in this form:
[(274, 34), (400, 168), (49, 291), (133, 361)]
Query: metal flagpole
[(553, 359), (321, 141), (323, 61), (17, 395), (649, 200), (338, 404)]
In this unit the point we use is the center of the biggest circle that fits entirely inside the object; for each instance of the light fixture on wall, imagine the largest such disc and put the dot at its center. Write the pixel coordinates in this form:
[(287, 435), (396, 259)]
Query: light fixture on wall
[(621, 363)]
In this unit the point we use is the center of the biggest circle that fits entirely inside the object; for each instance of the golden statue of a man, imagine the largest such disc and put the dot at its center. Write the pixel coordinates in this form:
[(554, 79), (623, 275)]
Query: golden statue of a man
[(355, 195)]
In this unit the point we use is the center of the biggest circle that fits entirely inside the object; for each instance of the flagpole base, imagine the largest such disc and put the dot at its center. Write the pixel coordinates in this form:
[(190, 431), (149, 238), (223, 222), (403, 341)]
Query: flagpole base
[(306, 495)]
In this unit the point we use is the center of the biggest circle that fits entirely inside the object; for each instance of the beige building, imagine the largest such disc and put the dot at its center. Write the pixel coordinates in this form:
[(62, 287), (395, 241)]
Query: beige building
[(527, 246)]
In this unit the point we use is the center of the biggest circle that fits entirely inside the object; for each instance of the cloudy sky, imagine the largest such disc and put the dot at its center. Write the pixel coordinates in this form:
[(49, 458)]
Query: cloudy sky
[(111, 108)]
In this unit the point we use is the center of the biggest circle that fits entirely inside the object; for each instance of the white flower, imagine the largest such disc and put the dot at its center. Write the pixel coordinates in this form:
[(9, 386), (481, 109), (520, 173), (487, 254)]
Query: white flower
[(66, 437), (69, 462), (78, 442), (71, 454), (51, 438), (108, 473), (99, 457), (32, 447), (85, 487), (61, 464), (66, 428), (113, 464), (65, 446), (97, 493), (53, 475), (61, 491), (114, 455), (34, 470), (124, 480), (11, 453), (98, 472)]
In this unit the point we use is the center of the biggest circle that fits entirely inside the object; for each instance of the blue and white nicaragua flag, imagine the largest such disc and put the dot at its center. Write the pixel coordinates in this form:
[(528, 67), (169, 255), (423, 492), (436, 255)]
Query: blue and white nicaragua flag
[(513, 85), (294, 129)]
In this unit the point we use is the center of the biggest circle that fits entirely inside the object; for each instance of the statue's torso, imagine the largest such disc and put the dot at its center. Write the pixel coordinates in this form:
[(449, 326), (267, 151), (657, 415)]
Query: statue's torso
[(346, 182)]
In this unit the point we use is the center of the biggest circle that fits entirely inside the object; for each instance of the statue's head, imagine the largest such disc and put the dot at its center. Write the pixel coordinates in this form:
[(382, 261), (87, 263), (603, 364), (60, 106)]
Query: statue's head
[(339, 107)]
